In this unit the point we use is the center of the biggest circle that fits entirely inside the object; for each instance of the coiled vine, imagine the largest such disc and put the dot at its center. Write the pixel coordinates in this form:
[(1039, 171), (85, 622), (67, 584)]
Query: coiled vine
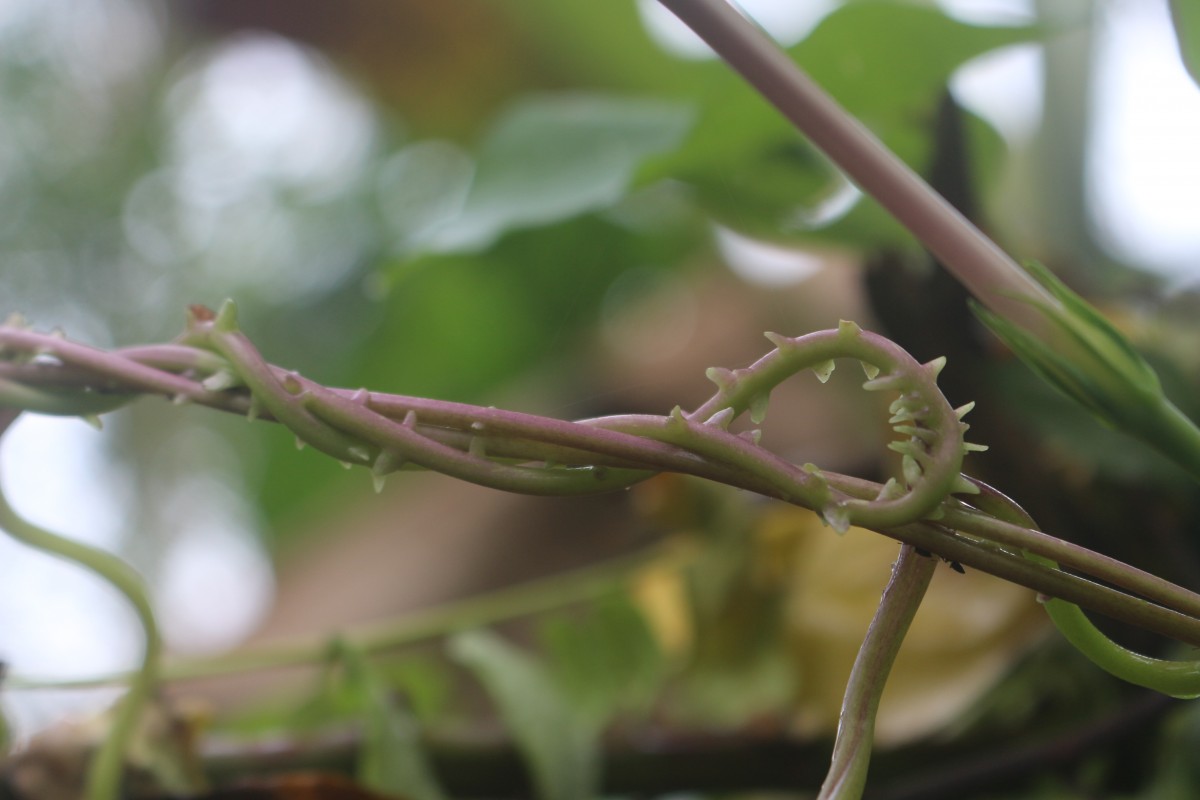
[(930, 506)]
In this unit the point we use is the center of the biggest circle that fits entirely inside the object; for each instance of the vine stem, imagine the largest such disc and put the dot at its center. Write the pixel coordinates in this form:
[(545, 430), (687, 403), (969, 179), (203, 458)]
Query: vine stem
[(107, 766), (543, 594), (978, 263), (847, 774)]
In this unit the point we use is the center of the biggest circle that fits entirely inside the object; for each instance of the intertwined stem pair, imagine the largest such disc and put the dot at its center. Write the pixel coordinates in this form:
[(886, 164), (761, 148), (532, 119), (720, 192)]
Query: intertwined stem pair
[(214, 364)]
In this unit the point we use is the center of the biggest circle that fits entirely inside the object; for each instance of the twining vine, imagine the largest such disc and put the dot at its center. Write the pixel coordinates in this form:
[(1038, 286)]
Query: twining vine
[(931, 507)]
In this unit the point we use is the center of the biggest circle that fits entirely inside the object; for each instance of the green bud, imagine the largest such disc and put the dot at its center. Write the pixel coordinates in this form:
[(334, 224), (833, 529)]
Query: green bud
[(1082, 355)]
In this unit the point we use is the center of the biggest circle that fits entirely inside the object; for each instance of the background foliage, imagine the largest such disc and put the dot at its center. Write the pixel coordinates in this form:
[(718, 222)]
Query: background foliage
[(533, 204)]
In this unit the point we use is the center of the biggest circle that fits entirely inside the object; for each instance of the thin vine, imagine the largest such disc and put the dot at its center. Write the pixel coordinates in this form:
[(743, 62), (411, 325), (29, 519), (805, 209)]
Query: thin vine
[(214, 364)]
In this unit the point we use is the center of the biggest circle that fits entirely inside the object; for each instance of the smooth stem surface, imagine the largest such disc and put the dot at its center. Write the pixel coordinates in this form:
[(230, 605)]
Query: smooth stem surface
[(847, 775), (974, 259), (1180, 437)]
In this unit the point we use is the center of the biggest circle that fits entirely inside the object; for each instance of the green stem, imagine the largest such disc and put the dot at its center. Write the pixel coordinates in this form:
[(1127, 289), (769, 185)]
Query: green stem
[(107, 767), (847, 775), (1174, 678), (522, 600), (1177, 436)]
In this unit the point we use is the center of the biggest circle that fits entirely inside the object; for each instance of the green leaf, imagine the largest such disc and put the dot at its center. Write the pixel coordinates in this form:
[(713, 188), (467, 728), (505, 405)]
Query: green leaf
[(1186, 16), (392, 758), (886, 63), (606, 659), (559, 745), (577, 38), (1082, 355), (554, 157), (427, 685)]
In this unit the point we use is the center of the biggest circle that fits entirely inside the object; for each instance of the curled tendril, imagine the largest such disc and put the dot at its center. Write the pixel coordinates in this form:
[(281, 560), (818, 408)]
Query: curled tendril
[(932, 454), (353, 430), (1177, 678), (107, 767)]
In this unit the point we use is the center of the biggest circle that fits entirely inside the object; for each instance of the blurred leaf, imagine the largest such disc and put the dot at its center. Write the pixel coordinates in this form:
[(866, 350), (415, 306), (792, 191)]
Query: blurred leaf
[(557, 156), (391, 757), (576, 41), (605, 660), (1186, 16), (294, 786), (886, 63), (560, 746), (426, 685)]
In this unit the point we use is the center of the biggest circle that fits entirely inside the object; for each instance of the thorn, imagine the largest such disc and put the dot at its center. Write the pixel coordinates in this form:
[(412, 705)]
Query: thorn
[(848, 329), (180, 399), (677, 420), (824, 370), (884, 382), (721, 419), (780, 341), (963, 410), (477, 447), (903, 415), (758, 407), (921, 434), (299, 443), (890, 490), (836, 516), (961, 485), (811, 468), (345, 464), (226, 319), (906, 448), (93, 420), (385, 463), (957, 567), (360, 452), (753, 436), (921, 551), (17, 320), (361, 396), (911, 469), (291, 383), (722, 377), (377, 482), (936, 366), (869, 369), (971, 447), (477, 426), (219, 381), (197, 314), (58, 333), (410, 420)]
